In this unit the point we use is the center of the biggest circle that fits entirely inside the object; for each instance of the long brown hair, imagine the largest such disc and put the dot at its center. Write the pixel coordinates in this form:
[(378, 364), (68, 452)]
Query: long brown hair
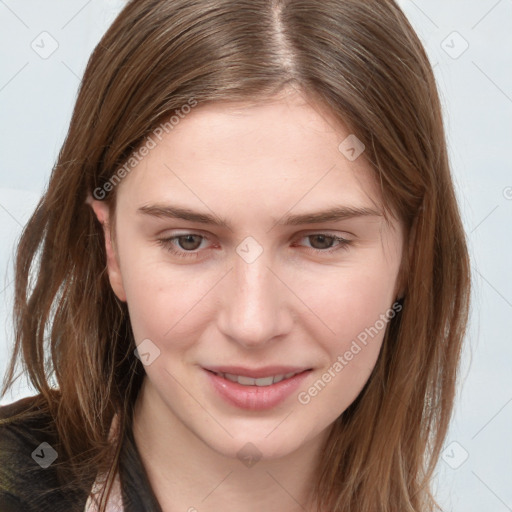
[(364, 63)]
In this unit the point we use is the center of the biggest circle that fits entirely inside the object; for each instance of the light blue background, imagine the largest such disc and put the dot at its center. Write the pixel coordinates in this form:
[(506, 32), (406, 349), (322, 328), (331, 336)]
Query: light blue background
[(36, 100)]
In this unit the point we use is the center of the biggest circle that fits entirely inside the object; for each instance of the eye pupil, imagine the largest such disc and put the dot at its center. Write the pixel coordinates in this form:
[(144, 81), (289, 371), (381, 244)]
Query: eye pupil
[(187, 241), (323, 239)]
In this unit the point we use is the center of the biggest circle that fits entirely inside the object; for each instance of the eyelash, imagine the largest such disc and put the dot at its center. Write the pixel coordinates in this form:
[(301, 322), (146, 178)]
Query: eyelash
[(167, 244)]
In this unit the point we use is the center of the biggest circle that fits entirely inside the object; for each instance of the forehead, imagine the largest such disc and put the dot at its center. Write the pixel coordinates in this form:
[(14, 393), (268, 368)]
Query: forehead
[(279, 152)]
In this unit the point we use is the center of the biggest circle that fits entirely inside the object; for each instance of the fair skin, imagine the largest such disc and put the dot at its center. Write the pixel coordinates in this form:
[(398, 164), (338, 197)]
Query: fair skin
[(248, 164)]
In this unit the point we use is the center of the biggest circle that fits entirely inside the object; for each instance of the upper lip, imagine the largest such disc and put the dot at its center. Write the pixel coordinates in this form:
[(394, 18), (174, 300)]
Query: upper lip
[(257, 373)]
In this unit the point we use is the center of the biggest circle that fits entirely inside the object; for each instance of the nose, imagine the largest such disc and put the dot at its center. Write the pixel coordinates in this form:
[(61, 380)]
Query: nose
[(255, 304)]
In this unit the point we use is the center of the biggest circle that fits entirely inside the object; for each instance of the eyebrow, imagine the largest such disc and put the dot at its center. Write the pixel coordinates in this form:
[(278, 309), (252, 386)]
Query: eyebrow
[(329, 215)]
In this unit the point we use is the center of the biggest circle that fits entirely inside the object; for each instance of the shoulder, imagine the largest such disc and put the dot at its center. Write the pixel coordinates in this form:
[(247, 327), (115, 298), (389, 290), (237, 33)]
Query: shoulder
[(28, 451)]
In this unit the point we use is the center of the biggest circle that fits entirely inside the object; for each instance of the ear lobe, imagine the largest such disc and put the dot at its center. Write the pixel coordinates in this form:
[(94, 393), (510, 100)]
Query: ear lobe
[(101, 210)]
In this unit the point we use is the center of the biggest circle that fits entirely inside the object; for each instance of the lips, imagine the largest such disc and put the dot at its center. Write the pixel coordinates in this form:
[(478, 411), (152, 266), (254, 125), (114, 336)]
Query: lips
[(255, 397)]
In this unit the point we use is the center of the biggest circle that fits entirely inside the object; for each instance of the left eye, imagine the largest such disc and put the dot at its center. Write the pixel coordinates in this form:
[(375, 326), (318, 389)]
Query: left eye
[(189, 243)]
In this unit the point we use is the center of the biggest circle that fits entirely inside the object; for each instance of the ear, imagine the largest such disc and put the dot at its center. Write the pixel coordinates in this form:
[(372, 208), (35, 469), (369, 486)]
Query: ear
[(102, 213)]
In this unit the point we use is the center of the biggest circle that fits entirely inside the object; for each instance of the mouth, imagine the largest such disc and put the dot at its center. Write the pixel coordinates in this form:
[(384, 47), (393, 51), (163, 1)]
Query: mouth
[(245, 380), (255, 393)]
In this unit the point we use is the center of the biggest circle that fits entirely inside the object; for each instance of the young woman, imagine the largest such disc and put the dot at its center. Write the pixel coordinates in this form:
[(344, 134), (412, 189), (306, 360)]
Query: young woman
[(246, 286)]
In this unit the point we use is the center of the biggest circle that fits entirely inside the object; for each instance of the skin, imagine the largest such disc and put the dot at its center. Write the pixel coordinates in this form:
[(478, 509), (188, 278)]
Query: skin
[(249, 164)]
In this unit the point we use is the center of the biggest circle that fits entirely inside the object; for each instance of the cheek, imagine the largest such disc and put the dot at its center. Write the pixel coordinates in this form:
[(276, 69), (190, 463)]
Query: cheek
[(357, 307), (354, 304), (352, 298), (162, 300)]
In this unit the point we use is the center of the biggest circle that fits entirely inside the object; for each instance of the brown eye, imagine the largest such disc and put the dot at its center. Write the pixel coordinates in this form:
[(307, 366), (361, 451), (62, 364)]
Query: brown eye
[(184, 246), (187, 242), (323, 243)]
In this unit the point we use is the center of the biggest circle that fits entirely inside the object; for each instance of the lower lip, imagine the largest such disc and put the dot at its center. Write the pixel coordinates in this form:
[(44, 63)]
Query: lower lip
[(255, 398)]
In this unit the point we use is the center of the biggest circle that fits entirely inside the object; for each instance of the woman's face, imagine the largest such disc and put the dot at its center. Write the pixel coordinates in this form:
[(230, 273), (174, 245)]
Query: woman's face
[(266, 286)]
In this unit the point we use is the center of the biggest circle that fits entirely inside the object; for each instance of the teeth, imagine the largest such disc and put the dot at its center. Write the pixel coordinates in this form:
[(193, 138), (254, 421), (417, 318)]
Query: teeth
[(249, 381)]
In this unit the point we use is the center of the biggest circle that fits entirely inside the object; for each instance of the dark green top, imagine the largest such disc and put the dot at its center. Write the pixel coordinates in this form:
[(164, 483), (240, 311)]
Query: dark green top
[(26, 485)]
